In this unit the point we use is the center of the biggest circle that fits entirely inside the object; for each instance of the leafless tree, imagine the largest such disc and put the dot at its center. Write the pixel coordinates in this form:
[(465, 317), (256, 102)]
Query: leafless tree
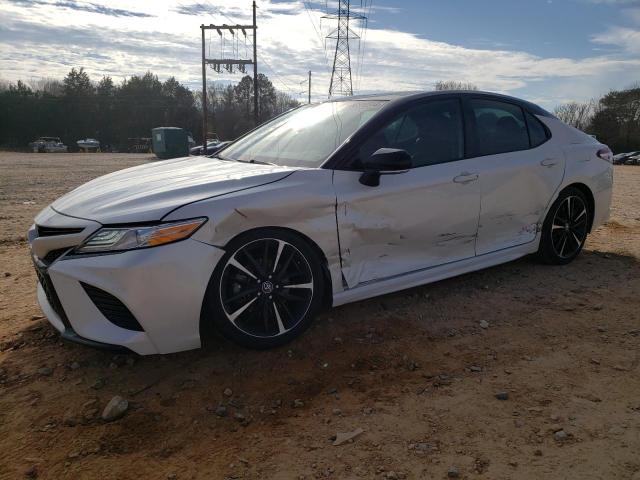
[(47, 85), (576, 114), (454, 85)]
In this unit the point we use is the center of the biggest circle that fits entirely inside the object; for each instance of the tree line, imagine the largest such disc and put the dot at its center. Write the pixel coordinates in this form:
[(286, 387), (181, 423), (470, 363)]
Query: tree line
[(614, 119), (77, 107)]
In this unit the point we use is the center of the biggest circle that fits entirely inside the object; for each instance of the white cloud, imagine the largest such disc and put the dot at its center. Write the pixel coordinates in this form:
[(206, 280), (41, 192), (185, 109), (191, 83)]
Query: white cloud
[(624, 37)]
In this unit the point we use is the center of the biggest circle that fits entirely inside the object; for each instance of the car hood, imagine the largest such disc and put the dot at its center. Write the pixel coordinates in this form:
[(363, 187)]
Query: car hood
[(148, 192)]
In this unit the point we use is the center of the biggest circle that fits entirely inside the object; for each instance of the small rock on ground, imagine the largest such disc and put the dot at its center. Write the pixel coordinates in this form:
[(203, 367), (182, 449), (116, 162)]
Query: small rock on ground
[(115, 409), (560, 435), (453, 472), (342, 438), (221, 411)]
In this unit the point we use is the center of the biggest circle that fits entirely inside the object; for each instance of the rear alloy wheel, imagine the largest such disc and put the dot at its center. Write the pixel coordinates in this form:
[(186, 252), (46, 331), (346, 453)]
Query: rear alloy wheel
[(565, 229), (267, 289)]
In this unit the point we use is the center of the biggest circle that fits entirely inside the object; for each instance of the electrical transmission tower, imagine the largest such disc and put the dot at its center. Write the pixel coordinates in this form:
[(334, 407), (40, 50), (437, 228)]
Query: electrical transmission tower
[(341, 82)]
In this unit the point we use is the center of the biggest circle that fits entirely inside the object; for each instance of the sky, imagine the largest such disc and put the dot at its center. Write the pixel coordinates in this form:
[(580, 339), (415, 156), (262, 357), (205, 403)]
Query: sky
[(546, 51)]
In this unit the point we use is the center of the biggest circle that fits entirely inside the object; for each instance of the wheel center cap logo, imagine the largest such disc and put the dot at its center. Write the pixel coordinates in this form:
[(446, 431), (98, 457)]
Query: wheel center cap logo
[(267, 287)]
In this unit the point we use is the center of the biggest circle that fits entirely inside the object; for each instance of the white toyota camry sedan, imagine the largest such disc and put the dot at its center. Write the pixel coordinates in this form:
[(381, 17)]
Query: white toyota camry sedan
[(323, 205)]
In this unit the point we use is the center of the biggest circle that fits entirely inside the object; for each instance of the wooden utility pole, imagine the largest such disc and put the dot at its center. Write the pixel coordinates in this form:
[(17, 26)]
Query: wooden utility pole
[(229, 63), (204, 95), (255, 67)]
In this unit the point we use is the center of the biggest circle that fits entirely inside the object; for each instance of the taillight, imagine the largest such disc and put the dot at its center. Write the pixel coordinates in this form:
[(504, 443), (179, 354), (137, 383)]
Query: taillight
[(605, 154)]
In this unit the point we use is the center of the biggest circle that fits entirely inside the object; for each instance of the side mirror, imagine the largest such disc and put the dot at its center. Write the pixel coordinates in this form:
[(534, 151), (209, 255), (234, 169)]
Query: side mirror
[(385, 161)]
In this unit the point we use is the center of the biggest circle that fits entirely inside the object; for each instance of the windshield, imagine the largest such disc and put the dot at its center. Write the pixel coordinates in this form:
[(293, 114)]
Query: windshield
[(304, 137)]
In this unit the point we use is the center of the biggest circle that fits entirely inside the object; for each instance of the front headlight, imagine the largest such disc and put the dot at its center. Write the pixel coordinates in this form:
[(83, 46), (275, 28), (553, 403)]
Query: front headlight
[(110, 239)]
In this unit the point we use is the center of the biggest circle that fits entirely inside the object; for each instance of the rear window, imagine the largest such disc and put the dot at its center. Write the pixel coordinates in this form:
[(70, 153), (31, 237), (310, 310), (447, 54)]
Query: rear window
[(500, 127)]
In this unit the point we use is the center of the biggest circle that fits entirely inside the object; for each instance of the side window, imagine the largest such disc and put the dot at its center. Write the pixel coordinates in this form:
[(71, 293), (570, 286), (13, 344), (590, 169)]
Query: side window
[(431, 133), (537, 132), (500, 127)]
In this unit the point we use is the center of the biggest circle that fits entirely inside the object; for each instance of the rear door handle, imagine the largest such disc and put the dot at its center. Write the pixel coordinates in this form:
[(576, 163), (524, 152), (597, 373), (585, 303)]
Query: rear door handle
[(548, 162), (465, 178)]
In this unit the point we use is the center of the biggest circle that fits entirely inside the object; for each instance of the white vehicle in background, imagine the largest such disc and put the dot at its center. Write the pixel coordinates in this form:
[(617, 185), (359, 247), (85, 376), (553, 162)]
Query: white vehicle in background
[(48, 145), (88, 145), (324, 205)]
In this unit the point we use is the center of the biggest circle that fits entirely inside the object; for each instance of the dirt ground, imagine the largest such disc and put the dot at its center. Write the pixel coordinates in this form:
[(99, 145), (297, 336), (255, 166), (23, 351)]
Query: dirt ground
[(417, 371)]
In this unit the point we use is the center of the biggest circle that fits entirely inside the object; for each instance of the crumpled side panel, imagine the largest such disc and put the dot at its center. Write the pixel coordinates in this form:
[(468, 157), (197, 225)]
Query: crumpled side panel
[(304, 202), (412, 221)]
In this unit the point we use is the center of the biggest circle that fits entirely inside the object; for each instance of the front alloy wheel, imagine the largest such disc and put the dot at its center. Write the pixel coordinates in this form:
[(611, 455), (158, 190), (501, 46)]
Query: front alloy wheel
[(267, 289)]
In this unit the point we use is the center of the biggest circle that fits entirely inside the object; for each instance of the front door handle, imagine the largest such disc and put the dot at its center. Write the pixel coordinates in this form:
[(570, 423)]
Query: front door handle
[(548, 162), (465, 178)]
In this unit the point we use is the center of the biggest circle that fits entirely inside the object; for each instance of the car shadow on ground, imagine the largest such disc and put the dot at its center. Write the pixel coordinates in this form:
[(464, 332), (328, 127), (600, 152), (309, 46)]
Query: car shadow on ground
[(358, 333)]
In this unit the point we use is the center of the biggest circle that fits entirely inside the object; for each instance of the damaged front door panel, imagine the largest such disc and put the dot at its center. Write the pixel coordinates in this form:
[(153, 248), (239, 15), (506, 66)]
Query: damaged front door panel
[(398, 227)]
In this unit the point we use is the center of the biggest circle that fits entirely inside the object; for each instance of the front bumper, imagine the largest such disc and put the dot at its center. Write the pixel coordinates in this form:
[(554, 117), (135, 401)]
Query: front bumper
[(66, 331), (163, 287)]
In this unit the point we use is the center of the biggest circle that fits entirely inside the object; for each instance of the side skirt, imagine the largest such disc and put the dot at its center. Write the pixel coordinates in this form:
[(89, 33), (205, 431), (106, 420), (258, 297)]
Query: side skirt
[(433, 274)]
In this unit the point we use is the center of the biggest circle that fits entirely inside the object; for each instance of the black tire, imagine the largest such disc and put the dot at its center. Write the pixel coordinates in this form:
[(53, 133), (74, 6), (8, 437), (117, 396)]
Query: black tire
[(565, 228), (275, 314)]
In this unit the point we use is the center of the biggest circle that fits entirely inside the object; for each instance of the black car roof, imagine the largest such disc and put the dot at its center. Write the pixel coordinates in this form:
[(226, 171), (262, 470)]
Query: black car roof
[(402, 97)]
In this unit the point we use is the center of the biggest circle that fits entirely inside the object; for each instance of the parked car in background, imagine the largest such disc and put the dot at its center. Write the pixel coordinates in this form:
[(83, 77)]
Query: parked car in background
[(324, 205), (621, 158), (212, 147), (633, 160), (88, 145), (48, 145)]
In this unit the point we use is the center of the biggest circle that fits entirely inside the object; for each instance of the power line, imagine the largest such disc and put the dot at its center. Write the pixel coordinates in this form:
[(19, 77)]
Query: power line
[(341, 79), (262, 59), (324, 52), (228, 63), (362, 45)]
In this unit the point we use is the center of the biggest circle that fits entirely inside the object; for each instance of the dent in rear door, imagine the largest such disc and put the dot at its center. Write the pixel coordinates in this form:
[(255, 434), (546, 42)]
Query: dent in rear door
[(516, 190)]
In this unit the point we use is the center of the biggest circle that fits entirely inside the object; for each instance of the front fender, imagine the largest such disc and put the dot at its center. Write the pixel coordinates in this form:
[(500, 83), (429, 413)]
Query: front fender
[(304, 202)]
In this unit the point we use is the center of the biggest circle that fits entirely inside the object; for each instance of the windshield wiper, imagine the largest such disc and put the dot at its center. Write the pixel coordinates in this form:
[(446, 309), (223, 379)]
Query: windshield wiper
[(253, 160)]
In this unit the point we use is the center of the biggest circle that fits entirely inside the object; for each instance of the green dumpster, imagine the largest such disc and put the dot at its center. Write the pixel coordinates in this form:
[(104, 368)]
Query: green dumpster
[(170, 142)]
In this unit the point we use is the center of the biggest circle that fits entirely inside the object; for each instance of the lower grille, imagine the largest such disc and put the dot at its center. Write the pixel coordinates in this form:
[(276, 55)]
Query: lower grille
[(113, 309), (50, 292)]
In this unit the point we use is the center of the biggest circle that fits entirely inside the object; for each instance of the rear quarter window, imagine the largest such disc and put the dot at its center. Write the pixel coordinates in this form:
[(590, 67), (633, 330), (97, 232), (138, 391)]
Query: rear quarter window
[(538, 134)]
